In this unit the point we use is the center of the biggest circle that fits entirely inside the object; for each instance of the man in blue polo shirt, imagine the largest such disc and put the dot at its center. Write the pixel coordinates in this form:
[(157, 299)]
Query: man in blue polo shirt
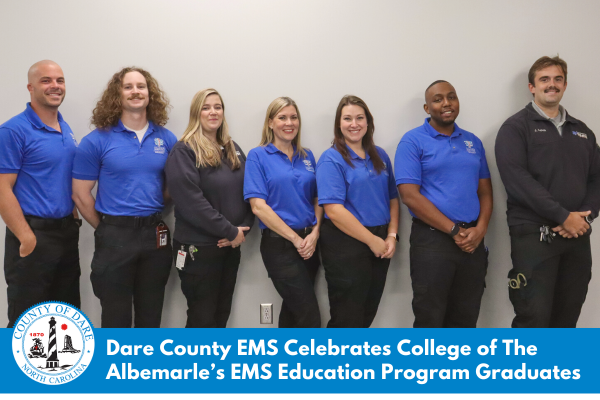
[(126, 155), (41, 256), (443, 178)]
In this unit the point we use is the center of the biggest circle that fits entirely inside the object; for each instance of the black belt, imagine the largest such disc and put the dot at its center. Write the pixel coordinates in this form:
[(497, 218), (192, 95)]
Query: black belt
[(131, 222), (47, 224), (304, 232), (545, 231), (372, 229), (465, 225), (528, 229), (524, 229)]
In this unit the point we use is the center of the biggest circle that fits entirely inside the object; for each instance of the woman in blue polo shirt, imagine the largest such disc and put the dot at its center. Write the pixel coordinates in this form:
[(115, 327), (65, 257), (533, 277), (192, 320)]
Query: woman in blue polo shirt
[(205, 177), (358, 239), (281, 187)]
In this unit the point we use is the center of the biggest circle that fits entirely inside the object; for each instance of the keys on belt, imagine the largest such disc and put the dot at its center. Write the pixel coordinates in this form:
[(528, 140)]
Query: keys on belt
[(546, 234)]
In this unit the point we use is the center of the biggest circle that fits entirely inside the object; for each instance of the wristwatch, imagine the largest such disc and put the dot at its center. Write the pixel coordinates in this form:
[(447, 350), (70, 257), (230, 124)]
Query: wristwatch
[(395, 236), (454, 231), (589, 219)]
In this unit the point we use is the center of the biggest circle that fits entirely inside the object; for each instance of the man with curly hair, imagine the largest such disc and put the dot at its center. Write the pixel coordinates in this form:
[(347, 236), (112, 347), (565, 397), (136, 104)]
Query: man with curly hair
[(41, 255), (126, 154)]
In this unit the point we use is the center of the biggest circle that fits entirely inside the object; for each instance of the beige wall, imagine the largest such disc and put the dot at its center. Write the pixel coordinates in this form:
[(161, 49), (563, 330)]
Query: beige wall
[(386, 52)]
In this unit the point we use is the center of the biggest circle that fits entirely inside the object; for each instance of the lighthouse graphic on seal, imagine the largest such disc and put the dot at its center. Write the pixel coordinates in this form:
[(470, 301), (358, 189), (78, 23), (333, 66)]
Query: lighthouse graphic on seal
[(52, 361)]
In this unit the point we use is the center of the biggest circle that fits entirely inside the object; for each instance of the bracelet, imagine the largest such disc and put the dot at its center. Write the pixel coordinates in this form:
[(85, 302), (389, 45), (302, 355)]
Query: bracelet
[(395, 236)]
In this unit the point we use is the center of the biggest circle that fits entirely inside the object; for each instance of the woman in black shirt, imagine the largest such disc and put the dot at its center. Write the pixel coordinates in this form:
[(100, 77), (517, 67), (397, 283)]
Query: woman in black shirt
[(205, 178)]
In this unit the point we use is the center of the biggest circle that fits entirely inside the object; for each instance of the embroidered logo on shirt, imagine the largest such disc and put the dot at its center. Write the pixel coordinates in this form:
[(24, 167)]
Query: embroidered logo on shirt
[(159, 146), (308, 165), (470, 148), (238, 153), (581, 135), (540, 130)]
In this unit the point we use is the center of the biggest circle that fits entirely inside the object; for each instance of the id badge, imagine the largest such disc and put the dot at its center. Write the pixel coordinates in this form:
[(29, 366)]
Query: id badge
[(162, 236), (180, 263)]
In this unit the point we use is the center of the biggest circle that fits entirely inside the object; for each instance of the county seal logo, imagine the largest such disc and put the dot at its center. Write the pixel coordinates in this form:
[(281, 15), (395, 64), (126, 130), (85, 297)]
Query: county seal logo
[(53, 343)]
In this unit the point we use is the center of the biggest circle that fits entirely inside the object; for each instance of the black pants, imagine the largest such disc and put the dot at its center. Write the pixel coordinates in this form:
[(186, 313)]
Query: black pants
[(128, 267), (208, 282), (294, 279), (557, 276), (50, 272), (355, 277), (447, 282)]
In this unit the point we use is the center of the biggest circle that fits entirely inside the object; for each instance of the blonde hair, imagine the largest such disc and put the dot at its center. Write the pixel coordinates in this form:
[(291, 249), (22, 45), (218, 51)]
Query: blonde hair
[(274, 108), (208, 153)]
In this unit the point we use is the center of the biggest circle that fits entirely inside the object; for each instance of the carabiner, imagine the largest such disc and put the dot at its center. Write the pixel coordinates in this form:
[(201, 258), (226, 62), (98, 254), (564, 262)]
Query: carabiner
[(516, 283)]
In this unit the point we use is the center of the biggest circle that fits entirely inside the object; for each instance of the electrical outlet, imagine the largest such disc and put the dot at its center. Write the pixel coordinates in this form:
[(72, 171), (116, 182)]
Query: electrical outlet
[(266, 313)]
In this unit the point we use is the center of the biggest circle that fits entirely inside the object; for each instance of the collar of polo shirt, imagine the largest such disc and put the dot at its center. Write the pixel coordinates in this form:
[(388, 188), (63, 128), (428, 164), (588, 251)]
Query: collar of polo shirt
[(121, 128), (433, 133), (36, 121), (534, 115), (355, 156), (271, 149)]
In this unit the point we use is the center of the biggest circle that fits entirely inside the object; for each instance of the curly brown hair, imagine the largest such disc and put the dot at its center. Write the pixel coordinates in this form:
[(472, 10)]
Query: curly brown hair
[(109, 108)]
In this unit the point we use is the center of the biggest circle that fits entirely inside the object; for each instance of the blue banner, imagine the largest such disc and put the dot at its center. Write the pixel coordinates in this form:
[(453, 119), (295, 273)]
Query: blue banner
[(317, 361)]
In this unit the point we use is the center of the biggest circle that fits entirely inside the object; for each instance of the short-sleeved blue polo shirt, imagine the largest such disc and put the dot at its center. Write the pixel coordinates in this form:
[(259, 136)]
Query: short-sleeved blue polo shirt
[(42, 158), (448, 169), (130, 174), (288, 187), (362, 191)]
